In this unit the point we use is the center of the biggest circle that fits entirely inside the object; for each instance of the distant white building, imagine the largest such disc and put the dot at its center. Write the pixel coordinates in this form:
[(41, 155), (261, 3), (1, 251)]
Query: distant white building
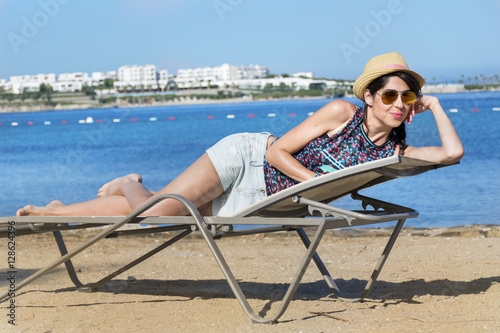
[(68, 86), (4, 85), (72, 82), (162, 78), (74, 77), (296, 83), (162, 75), (99, 77), (65, 82), (203, 77), (137, 77), (20, 83), (308, 75)]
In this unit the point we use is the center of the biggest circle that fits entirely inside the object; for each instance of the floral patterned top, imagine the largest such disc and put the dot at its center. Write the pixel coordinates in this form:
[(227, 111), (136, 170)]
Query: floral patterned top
[(350, 146)]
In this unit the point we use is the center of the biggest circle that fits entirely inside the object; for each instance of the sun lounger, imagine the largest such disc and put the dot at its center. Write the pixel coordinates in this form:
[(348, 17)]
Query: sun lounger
[(305, 205)]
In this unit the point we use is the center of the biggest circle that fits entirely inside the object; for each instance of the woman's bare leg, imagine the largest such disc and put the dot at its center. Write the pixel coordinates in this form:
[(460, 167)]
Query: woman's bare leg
[(114, 186), (199, 183), (108, 206)]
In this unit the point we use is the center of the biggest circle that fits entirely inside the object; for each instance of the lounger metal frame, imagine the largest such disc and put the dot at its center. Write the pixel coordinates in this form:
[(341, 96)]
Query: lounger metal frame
[(321, 216)]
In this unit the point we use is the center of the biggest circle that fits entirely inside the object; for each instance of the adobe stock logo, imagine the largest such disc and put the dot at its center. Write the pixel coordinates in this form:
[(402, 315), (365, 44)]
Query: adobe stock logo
[(31, 26), (363, 37), (221, 7)]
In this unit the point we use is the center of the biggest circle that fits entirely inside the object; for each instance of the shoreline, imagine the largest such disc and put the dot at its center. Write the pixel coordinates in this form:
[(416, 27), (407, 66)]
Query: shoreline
[(182, 101)]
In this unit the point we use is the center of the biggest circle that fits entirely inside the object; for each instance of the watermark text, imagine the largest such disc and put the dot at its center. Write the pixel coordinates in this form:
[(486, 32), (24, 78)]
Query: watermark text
[(363, 36), (11, 272), (31, 26)]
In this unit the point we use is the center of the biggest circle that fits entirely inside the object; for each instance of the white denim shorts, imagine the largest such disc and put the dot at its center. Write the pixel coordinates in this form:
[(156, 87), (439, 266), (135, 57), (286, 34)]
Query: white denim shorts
[(239, 161)]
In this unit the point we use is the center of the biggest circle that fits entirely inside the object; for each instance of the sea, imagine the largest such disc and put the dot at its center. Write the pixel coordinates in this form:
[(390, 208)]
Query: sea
[(69, 154)]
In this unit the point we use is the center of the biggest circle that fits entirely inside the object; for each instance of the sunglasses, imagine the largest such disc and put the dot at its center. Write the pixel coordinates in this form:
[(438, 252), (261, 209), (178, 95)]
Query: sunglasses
[(390, 96)]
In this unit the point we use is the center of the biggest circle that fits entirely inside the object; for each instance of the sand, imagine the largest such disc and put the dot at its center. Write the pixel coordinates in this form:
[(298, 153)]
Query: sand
[(435, 280)]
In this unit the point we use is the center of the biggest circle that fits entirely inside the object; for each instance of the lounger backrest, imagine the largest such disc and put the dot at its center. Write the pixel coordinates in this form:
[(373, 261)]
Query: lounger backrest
[(332, 186)]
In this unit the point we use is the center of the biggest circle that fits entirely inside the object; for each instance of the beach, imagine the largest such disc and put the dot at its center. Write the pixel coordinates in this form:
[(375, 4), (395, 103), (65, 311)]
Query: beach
[(435, 280)]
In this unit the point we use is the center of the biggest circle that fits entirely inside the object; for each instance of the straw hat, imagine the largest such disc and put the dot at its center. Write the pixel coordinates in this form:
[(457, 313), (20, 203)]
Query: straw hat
[(379, 66)]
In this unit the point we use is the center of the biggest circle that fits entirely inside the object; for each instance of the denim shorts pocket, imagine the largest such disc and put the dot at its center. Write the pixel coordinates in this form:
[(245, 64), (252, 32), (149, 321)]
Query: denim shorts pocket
[(253, 192), (258, 146)]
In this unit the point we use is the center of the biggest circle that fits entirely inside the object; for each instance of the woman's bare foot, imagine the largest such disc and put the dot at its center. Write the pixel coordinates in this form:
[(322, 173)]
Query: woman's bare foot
[(114, 187), (30, 210)]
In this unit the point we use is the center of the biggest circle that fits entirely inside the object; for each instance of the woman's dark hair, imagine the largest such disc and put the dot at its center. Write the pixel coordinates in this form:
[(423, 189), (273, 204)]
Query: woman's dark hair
[(378, 84)]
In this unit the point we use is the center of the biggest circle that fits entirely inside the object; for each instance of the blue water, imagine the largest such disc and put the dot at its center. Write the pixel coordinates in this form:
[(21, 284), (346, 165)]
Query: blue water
[(70, 161)]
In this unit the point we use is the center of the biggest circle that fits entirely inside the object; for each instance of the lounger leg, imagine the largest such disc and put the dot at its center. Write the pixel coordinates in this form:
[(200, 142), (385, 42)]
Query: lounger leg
[(235, 286), (68, 264), (378, 268), (311, 251), (319, 263), (381, 261)]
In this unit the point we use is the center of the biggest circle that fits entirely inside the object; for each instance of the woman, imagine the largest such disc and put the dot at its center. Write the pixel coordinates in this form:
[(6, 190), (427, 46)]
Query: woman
[(243, 168)]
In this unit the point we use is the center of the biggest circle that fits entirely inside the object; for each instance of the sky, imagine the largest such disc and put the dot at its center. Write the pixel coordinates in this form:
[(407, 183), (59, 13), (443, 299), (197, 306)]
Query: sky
[(442, 39)]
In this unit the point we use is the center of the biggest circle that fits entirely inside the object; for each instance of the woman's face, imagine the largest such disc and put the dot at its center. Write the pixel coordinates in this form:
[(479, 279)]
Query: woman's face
[(391, 115)]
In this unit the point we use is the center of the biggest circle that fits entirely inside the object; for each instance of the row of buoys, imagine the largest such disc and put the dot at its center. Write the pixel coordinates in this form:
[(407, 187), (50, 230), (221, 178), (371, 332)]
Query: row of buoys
[(90, 120), (475, 109), (251, 115)]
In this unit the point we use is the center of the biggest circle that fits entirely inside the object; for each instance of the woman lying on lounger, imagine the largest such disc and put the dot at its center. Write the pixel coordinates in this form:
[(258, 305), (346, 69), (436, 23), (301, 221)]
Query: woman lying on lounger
[(244, 168)]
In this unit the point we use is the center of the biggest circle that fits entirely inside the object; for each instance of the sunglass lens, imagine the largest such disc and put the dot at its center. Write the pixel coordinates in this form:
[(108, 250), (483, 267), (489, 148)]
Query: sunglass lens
[(389, 97), (409, 97)]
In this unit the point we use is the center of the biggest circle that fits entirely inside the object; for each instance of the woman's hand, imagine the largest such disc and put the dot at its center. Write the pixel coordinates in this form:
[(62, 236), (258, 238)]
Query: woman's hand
[(422, 104), (451, 149)]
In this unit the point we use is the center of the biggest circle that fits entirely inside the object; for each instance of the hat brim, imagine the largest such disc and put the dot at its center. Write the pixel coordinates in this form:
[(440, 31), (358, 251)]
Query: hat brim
[(364, 80)]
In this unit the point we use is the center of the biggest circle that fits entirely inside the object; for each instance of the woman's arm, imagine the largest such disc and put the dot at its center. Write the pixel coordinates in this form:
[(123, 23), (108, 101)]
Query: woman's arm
[(451, 149), (329, 119)]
